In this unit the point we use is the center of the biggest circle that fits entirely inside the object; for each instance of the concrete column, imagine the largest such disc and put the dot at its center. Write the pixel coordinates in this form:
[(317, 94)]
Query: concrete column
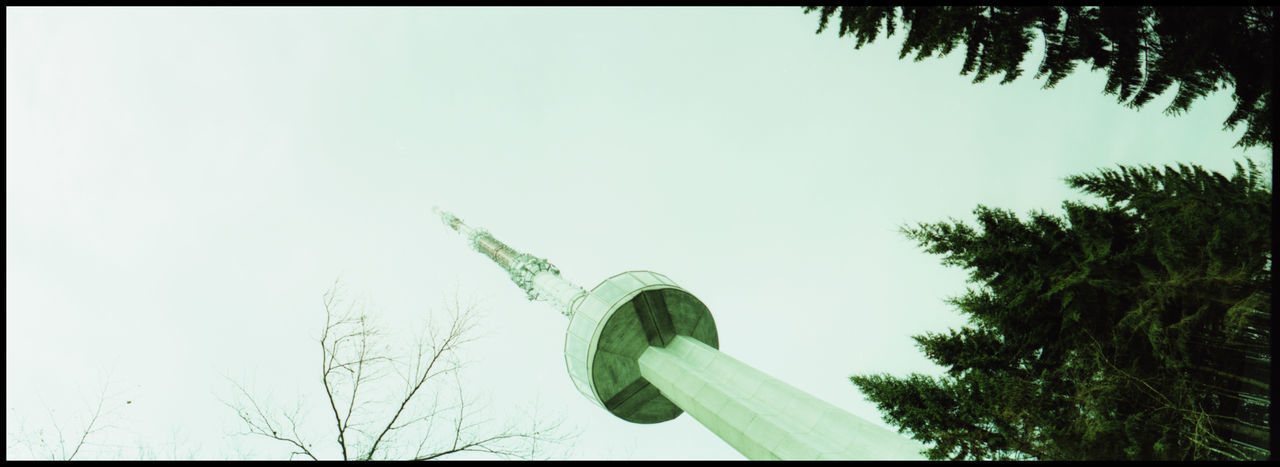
[(762, 417)]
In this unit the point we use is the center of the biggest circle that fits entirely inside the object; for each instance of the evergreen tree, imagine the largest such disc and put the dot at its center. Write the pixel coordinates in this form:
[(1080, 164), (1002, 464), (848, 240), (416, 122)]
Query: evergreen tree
[(1135, 329), (1144, 50)]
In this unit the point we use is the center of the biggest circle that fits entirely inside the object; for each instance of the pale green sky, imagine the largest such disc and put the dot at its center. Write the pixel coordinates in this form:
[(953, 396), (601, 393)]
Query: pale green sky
[(182, 184)]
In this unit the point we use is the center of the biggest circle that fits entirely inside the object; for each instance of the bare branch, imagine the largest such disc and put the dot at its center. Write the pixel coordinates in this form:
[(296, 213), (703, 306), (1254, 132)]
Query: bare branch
[(353, 361), (93, 420), (328, 355), (423, 374), (38, 445), (260, 423)]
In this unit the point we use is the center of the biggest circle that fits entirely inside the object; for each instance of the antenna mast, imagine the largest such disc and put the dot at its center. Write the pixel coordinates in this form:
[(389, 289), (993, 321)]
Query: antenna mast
[(539, 279)]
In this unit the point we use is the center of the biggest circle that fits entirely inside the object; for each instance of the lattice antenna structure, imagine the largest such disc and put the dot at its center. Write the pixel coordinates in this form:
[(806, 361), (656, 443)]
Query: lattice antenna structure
[(647, 350), (538, 278)]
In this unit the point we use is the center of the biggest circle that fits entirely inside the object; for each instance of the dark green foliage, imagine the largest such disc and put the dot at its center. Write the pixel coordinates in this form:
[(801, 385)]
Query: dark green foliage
[(1144, 50), (1135, 329)]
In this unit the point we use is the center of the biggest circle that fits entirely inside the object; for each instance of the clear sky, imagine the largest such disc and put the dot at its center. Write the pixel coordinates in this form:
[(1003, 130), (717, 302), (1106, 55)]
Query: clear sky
[(182, 185)]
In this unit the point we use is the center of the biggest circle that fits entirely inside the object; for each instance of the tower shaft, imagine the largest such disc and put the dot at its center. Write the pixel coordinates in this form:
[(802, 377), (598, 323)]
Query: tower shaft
[(759, 415)]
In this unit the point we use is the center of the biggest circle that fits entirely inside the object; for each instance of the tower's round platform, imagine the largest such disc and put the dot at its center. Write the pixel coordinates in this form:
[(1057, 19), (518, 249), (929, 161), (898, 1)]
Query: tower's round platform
[(613, 324)]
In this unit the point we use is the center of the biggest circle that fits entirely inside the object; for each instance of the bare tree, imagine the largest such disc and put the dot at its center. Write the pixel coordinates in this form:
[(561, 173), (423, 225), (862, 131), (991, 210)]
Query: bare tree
[(426, 414), (178, 446), (58, 444)]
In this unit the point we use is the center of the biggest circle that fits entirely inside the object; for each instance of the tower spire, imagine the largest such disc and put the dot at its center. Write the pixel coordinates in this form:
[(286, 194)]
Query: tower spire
[(539, 279)]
